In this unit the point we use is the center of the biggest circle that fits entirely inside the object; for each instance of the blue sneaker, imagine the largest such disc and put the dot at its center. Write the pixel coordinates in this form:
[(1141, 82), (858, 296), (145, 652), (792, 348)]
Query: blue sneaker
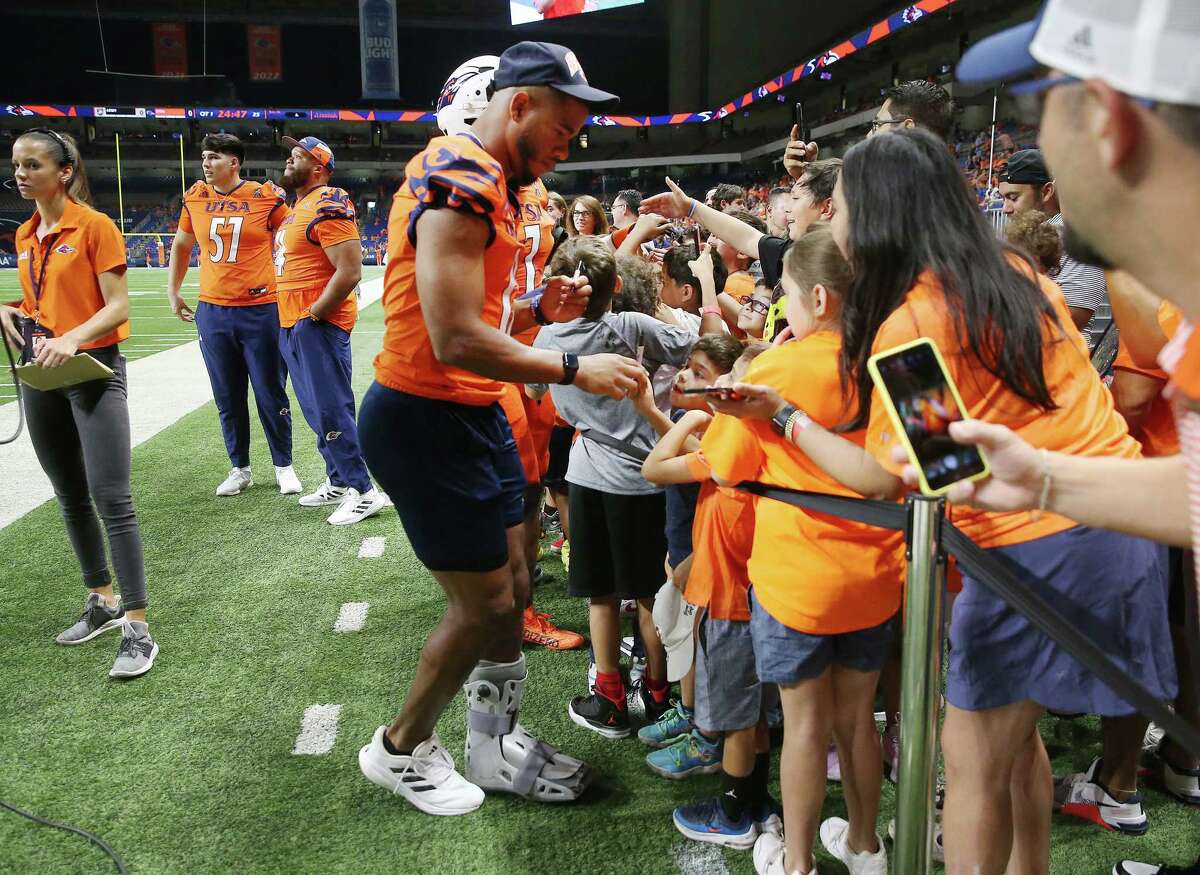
[(690, 754), (769, 816), (707, 822), (676, 721)]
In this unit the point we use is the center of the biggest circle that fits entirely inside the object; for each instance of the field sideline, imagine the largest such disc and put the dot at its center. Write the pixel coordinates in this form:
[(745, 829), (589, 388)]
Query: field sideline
[(191, 769)]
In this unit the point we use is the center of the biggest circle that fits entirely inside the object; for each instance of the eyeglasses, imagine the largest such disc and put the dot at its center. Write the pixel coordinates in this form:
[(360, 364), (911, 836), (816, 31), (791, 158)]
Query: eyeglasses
[(877, 123), (579, 213), (756, 306)]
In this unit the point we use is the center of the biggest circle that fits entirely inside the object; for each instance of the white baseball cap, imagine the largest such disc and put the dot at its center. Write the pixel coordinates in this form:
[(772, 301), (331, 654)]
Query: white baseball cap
[(1144, 48), (674, 617)]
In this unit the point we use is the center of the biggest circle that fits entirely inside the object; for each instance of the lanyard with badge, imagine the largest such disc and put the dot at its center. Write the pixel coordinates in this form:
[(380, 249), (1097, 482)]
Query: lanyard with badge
[(32, 329)]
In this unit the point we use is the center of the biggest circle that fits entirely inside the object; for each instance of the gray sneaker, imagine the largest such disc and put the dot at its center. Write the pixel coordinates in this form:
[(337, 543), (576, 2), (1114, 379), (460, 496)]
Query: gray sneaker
[(97, 618), (136, 654)]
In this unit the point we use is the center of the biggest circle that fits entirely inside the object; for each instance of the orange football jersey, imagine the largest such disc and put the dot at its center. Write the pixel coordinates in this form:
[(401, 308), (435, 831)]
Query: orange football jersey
[(235, 233), (452, 173), (323, 217), (535, 230)]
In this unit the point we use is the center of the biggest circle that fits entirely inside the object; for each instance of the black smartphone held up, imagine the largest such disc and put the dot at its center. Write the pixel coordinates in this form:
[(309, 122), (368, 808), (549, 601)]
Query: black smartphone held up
[(922, 401), (724, 392), (798, 118)]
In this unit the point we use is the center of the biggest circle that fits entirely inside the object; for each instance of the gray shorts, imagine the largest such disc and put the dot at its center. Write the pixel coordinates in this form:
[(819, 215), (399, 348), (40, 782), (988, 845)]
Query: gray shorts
[(785, 656), (728, 694)]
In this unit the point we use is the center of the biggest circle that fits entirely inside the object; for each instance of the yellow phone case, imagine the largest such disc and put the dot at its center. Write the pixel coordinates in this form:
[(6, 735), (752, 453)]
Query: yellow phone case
[(897, 423)]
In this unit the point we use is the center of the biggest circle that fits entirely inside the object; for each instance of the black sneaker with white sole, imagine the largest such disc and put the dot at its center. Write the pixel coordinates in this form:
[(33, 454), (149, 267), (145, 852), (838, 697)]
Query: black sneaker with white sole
[(599, 714), (96, 619)]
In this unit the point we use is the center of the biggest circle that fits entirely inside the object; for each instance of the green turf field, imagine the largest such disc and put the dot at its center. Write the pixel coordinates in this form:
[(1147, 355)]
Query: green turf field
[(190, 770), (153, 327)]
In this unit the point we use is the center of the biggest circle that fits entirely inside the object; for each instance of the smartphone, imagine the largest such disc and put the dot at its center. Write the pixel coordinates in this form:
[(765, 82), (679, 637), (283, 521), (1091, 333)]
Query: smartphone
[(798, 118), (922, 401), (721, 391)]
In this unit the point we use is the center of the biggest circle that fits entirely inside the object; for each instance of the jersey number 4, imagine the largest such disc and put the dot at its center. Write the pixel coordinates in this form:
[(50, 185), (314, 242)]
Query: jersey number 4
[(218, 242)]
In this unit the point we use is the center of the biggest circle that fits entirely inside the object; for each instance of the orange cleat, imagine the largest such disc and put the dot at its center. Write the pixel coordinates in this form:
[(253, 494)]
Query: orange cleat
[(539, 630)]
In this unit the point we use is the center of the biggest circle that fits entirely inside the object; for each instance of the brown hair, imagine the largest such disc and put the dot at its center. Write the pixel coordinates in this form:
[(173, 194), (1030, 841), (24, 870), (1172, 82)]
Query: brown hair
[(815, 260), (1028, 230), (599, 266), (63, 149), (559, 201), (639, 286), (820, 177), (593, 206), (722, 350)]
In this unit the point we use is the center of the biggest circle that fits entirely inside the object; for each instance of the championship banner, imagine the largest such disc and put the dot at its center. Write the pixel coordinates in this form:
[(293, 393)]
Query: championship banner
[(377, 49), (263, 44), (170, 49)]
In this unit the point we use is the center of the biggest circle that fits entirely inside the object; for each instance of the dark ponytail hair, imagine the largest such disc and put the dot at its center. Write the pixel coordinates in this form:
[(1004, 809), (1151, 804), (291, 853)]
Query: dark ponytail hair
[(63, 149), (910, 211)]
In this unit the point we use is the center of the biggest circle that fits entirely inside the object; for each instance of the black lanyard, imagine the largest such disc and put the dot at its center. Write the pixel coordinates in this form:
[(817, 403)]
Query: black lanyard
[(40, 281)]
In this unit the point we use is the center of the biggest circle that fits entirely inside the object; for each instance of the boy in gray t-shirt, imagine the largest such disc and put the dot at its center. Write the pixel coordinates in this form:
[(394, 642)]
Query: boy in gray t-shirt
[(617, 517)]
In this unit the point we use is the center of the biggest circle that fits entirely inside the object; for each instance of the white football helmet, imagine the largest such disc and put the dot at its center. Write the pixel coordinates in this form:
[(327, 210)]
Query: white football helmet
[(466, 94)]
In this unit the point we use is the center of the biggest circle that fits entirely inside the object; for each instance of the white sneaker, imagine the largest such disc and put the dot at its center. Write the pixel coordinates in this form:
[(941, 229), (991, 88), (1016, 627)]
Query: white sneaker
[(939, 850), (1082, 795), (426, 778), (768, 856), (327, 493), (356, 507), (289, 483), (238, 481), (833, 834)]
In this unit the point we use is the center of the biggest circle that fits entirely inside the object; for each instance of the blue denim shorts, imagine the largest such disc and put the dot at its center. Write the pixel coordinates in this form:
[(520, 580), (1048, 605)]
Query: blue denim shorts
[(785, 656), (729, 695)]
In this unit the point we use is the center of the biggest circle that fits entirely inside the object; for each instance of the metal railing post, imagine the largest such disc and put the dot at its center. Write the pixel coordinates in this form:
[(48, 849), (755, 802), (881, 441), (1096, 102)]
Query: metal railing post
[(920, 688)]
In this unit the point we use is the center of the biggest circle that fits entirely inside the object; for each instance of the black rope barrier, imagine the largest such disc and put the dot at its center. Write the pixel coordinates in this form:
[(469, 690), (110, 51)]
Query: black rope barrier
[(1017, 591)]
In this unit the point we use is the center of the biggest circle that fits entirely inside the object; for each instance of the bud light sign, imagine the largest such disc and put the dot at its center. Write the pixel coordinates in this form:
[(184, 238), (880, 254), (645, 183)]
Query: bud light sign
[(377, 48)]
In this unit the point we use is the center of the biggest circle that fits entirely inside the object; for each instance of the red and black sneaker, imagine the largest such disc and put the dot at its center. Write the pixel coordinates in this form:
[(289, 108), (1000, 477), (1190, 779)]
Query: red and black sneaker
[(599, 714)]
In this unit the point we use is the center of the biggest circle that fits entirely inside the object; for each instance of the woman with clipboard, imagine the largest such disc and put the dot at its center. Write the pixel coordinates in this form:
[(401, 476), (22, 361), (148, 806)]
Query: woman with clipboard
[(71, 262)]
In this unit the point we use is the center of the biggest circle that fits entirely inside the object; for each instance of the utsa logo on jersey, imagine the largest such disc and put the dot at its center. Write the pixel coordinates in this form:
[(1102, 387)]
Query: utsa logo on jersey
[(234, 230)]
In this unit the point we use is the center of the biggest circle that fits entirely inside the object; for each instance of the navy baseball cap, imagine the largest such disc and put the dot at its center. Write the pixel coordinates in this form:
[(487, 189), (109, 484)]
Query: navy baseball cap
[(1026, 167), (1001, 57), (554, 66), (320, 152)]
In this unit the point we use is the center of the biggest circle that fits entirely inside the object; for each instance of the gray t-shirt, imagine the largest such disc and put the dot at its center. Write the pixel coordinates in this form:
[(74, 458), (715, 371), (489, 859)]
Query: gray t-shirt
[(638, 336)]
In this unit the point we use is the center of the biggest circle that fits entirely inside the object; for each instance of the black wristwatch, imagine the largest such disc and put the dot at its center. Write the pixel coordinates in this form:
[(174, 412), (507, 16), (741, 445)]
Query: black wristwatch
[(570, 368), (781, 417)]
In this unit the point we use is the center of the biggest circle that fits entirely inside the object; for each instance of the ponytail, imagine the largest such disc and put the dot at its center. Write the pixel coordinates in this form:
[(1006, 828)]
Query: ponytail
[(64, 148)]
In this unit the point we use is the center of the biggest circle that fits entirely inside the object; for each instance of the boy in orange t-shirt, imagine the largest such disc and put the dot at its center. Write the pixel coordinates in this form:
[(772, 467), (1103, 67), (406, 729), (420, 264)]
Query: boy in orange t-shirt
[(729, 703)]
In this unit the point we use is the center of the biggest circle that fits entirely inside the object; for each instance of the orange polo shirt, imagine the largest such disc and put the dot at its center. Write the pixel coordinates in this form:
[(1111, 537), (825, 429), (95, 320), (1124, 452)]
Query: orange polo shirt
[(60, 285)]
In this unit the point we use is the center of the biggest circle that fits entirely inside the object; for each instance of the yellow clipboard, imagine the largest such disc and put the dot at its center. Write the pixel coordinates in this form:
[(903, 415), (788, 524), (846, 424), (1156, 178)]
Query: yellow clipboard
[(82, 368)]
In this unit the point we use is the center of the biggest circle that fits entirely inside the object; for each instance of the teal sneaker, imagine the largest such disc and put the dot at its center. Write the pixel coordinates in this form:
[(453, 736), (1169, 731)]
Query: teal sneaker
[(690, 754), (676, 721)]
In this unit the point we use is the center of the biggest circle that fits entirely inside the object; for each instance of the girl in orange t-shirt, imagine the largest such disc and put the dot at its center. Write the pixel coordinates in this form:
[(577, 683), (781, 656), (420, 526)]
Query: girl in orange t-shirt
[(826, 590), (927, 264), (71, 264)]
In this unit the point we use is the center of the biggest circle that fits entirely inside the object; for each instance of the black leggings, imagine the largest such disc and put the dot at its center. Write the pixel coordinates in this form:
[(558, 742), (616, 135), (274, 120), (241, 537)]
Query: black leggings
[(81, 437)]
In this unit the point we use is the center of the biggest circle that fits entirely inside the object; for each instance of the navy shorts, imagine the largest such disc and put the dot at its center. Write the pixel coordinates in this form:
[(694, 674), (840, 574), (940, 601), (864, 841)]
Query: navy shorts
[(453, 472), (1109, 586), (729, 695), (785, 656)]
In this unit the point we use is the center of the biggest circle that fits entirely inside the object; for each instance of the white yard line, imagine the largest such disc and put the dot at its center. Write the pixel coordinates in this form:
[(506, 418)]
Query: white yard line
[(163, 388), (318, 730), (695, 858), (371, 548), (352, 617)]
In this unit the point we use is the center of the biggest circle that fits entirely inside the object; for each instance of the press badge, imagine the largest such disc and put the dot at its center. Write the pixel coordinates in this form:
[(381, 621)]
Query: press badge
[(31, 333)]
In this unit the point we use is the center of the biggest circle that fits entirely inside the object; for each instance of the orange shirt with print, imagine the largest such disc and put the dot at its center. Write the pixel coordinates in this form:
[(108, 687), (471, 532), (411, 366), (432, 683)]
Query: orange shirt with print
[(723, 535), (322, 218), (536, 233), (813, 572), (236, 235), (452, 173), (59, 275), (1084, 423)]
